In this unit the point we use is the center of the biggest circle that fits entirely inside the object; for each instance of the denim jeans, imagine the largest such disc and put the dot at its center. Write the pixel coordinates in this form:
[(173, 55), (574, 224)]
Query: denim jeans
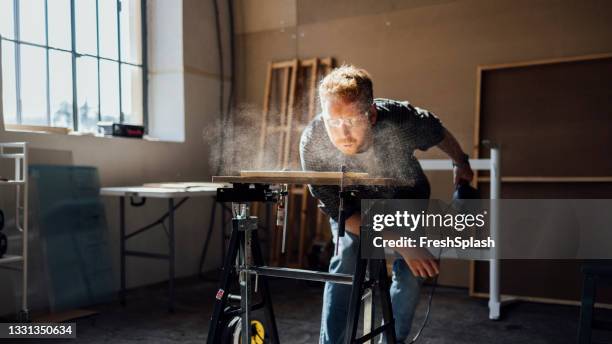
[(404, 292)]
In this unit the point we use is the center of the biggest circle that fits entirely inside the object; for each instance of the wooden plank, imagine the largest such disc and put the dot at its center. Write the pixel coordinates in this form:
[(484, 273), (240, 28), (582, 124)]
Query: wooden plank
[(288, 126), (184, 185), (320, 221), (37, 128), (308, 62), (289, 252), (546, 179), (476, 155), (276, 242), (312, 89), (328, 62), (299, 191), (472, 278), (283, 113), (282, 64), (283, 67), (303, 220), (276, 129), (265, 112), (305, 180), (545, 61), (290, 112), (323, 65), (301, 174)]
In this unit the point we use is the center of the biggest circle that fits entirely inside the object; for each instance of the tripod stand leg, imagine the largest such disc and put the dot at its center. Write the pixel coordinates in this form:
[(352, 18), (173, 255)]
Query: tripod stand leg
[(385, 301), (264, 290), (355, 299), (368, 298), (215, 329)]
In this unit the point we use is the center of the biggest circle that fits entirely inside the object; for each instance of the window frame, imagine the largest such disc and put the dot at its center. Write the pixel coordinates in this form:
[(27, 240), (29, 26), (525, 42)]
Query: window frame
[(74, 56)]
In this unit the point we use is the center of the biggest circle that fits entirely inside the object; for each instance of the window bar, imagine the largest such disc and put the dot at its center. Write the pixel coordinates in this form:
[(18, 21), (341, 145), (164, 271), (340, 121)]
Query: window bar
[(119, 9), (47, 57), (145, 66), (75, 114), (37, 45), (98, 59), (17, 59)]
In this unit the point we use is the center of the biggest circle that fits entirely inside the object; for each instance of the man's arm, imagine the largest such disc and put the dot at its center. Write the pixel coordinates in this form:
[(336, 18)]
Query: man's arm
[(462, 170)]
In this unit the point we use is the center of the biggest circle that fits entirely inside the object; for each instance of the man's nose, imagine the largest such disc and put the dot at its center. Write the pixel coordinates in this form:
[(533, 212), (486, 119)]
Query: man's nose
[(346, 130)]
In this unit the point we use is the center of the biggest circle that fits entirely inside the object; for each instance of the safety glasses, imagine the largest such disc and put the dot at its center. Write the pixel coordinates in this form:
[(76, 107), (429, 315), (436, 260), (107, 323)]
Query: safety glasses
[(349, 122)]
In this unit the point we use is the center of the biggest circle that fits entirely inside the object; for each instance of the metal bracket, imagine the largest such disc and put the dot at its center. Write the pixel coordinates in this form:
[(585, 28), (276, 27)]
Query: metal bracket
[(247, 224)]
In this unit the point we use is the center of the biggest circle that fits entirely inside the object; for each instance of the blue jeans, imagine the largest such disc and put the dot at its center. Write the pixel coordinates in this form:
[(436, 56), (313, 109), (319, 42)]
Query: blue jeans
[(404, 292)]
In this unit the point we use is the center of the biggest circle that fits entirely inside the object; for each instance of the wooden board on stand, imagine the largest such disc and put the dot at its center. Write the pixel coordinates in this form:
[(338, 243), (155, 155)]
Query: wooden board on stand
[(307, 177)]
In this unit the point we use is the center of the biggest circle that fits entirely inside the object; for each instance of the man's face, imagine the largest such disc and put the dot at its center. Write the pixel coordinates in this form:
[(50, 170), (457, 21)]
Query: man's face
[(348, 126)]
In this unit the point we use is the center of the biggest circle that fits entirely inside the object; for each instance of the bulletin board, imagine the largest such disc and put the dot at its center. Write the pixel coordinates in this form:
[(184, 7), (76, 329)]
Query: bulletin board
[(553, 120)]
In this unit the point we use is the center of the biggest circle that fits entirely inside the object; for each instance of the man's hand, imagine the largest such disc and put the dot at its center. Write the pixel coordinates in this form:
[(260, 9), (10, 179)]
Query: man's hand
[(420, 261), (462, 173), (423, 267)]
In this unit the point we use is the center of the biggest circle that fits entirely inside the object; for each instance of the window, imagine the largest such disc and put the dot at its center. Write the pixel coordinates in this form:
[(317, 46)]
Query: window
[(72, 63)]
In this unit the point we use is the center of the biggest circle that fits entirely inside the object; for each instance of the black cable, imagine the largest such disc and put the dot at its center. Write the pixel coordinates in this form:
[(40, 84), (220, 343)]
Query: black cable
[(221, 86), (230, 102), (431, 295), (232, 90), (429, 302)]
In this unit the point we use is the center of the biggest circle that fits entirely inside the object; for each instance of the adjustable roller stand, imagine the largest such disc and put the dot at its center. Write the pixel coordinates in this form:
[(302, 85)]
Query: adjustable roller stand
[(244, 259)]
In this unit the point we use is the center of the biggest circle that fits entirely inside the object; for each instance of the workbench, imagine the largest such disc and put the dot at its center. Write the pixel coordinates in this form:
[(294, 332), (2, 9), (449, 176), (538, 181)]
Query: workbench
[(169, 192)]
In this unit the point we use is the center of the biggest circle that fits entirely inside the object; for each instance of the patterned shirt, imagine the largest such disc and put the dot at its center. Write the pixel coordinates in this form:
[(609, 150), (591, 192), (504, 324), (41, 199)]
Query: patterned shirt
[(400, 129)]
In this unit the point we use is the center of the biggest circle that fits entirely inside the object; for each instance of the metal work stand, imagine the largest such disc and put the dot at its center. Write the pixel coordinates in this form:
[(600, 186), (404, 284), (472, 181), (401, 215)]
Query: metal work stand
[(244, 259)]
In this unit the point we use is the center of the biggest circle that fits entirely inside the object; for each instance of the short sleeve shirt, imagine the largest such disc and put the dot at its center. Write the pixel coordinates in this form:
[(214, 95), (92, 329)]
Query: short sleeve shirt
[(400, 129)]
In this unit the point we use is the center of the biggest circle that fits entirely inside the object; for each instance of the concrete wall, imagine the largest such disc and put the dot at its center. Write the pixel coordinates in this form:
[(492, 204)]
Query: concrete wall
[(424, 51), (184, 89)]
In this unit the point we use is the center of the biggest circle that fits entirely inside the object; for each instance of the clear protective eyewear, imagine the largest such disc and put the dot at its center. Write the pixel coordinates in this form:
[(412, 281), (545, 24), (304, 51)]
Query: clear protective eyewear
[(349, 122)]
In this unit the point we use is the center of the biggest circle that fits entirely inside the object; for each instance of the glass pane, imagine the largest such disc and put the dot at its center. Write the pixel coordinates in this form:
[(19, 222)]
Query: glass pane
[(87, 93), (131, 94), (9, 98), (58, 12), (60, 88), (108, 28), (85, 12), (131, 41), (32, 21), (109, 91), (33, 86), (6, 18)]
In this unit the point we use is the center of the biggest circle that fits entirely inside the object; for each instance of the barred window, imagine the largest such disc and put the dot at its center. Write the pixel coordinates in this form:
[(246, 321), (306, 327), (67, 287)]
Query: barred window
[(72, 63)]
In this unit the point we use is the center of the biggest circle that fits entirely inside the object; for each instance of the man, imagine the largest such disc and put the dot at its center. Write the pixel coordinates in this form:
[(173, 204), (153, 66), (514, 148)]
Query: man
[(377, 136)]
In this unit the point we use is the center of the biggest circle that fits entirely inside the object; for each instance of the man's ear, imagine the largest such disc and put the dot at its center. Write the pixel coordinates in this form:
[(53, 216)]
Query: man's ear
[(373, 114)]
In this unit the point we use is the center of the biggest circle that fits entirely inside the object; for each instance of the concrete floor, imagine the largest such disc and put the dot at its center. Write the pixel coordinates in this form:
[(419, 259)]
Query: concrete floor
[(455, 317)]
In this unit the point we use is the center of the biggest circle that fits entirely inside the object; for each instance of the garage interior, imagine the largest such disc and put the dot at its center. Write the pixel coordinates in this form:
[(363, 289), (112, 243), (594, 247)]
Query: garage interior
[(127, 112)]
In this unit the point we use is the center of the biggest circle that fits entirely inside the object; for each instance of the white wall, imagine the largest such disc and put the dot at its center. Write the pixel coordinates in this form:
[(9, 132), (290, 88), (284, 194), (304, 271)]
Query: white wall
[(183, 102)]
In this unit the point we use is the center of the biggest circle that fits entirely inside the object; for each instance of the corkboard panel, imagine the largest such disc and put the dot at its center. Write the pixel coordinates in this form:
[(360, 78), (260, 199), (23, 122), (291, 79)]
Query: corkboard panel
[(552, 119)]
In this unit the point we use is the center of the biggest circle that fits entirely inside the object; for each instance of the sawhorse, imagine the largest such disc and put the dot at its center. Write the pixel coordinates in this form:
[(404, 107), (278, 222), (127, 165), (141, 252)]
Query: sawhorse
[(244, 259)]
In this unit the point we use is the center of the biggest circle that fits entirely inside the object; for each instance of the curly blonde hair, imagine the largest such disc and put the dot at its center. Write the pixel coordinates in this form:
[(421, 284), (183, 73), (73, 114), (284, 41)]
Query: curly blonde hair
[(348, 83)]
